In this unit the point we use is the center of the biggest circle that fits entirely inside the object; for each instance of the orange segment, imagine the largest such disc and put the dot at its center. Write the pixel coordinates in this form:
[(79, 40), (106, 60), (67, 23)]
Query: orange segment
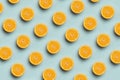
[(40, 30), (59, 18), (13, 1), (80, 77), (85, 52), (115, 57), (45, 4), (27, 14), (94, 1), (90, 23), (5, 53), (53, 47), (23, 41), (103, 40), (107, 12), (49, 74), (66, 64), (117, 29), (72, 35), (1, 7), (9, 25), (77, 6), (98, 68), (35, 58), (17, 70)]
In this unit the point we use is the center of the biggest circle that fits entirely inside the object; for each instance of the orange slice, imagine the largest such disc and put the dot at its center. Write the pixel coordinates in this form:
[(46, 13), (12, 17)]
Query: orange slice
[(107, 12), (94, 1), (13, 1), (49, 74), (85, 52), (23, 41), (17, 70), (98, 68), (40, 30), (115, 57), (66, 64), (45, 4), (5, 53), (53, 47), (90, 23), (72, 35), (117, 29), (77, 6), (103, 40), (1, 7), (9, 25), (80, 77), (59, 18), (35, 58), (27, 14)]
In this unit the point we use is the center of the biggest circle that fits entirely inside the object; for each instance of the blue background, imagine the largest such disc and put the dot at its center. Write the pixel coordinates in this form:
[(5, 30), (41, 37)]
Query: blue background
[(57, 33)]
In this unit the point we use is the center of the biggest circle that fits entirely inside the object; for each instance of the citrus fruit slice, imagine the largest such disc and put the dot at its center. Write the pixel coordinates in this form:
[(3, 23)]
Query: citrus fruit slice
[(53, 47), (35, 58)]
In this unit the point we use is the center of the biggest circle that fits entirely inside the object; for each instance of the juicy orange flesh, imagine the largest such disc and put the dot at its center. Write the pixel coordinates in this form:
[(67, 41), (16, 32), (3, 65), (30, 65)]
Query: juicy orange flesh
[(41, 30), (5, 53), (90, 23), (17, 69), (23, 41), (9, 25), (115, 56), (80, 77), (72, 34), (59, 18), (35, 58), (85, 51), (107, 12), (103, 40), (66, 63), (27, 13), (49, 74), (77, 6), (45, 3), (99, 68), (53, 46)]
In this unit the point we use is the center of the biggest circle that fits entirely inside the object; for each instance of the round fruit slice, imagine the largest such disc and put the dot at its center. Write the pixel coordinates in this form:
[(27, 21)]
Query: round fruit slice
[(35, 58), (1, 7), (45, 4), (5, 53), (103, 40), (66, 64), (13, 1), (80, 77), (99, 68), (77, 6), (53, 47), (17, 70), (40, 30), (107, 12), (49, 74), (27, 14), (115, 57), (59, 18), (72, 35), (9, 25), (85, 52), (94, 1), (117, 29), (90, 23), (23, 41)]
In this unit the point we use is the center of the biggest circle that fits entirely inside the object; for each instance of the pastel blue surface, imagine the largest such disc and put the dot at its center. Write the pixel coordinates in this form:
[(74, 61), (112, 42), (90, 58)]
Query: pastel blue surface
[(57, 33)]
